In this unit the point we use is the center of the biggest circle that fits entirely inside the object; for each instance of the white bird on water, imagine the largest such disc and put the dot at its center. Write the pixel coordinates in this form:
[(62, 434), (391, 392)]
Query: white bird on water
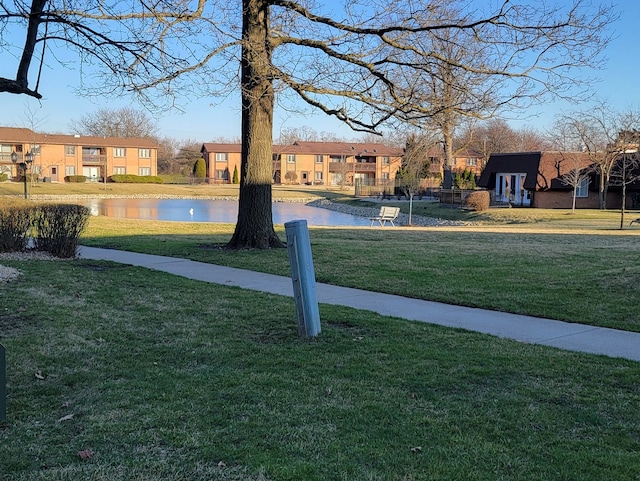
[(191, 212)]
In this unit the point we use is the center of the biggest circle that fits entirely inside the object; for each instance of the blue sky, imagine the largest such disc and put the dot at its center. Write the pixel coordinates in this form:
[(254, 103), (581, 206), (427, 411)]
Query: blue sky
[(201, 121)]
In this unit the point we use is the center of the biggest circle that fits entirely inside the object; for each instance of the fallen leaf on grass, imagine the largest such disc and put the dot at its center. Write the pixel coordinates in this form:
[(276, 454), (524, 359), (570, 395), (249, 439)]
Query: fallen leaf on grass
[(86, 454), (65, 418), (39, 375), (417, 449), (222, 464)]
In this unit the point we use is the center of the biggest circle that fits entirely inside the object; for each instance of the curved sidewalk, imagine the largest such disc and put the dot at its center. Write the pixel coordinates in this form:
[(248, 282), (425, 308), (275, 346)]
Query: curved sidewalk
[(563, 335)]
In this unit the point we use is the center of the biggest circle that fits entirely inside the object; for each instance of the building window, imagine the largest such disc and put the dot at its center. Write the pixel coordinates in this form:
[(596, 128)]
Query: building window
[(583, 189), (70, 170), (70, 150), (119, 170), (291, 158), (318, 176), (144, 171), (319, 158), (385, 160), (222, 174), (472, 161), (5, 152), (384, 176), (119, 152), (222, 157), (35, 149), (144, 153)]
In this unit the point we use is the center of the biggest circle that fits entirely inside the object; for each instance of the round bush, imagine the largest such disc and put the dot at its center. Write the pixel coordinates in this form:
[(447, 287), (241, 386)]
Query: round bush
[(478, 200)]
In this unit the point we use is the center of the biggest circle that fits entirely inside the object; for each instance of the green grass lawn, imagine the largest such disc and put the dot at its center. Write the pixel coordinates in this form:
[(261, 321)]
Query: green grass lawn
[(154, 377), (118, 373), (580, 275)]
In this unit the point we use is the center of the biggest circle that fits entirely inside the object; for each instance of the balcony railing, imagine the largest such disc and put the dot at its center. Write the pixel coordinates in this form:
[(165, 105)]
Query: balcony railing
[(352, 167), (94, 159)]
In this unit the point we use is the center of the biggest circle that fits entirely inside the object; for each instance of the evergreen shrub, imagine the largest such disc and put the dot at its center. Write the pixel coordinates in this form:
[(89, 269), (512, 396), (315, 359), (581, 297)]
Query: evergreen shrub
[(200, 170)]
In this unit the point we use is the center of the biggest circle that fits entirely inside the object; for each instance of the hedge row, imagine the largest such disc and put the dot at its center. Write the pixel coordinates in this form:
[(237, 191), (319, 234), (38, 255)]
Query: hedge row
[(136, 179), (79, 179), (55, 228)]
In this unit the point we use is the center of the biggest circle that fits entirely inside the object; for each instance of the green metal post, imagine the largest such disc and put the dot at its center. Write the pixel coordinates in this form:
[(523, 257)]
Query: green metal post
[(303, 277)]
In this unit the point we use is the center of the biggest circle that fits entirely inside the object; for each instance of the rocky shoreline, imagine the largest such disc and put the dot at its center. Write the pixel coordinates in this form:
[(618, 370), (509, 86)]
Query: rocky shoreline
[(403, 219)]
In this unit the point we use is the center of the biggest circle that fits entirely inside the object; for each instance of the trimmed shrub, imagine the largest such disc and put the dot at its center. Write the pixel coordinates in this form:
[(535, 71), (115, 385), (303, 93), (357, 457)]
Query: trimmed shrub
[(15, 224), (174, 179), (58, 228), (3, 177), (291, 176), (136, 179), (79, 179), (235, 180), (478, 200)]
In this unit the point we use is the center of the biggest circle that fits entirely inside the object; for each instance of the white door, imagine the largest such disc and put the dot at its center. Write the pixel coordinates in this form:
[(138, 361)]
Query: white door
[(91, 173), (510, 189)]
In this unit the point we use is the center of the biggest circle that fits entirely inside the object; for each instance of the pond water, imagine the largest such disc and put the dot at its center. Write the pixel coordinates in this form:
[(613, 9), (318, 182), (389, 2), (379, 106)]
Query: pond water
[(221, 211)]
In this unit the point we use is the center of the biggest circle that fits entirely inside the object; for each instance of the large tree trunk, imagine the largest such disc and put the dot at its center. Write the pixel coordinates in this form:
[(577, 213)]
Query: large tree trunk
[(447, 137), (447, 145), (254, 228)]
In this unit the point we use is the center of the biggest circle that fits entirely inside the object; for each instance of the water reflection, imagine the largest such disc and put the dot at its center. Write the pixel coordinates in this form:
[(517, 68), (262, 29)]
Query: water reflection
[(221, 211)]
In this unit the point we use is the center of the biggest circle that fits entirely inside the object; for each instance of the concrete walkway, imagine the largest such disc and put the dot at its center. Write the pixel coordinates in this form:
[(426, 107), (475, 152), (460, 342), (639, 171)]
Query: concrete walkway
[(563, 335)]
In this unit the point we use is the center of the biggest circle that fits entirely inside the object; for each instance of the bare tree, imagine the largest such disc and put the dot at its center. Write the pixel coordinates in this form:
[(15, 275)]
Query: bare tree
[(167, 150), (596, 131), (344, 173), (578, 176), (497, 136), (124, 122), (415, 164), (626, 168), (188, 154), (305, 133), (364, 65)]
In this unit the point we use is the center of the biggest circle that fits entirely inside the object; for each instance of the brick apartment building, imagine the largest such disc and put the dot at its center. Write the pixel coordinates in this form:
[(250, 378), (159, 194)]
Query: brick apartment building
[(55, 156)]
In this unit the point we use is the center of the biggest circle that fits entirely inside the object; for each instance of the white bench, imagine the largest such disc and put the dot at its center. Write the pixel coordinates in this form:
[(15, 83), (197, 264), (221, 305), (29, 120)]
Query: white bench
[(387, 214)]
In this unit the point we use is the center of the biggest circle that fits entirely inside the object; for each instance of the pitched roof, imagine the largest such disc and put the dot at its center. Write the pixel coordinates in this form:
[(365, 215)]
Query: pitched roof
[(521, 163), (22, 135), (543, 170), (222, 148), (327, 148)]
